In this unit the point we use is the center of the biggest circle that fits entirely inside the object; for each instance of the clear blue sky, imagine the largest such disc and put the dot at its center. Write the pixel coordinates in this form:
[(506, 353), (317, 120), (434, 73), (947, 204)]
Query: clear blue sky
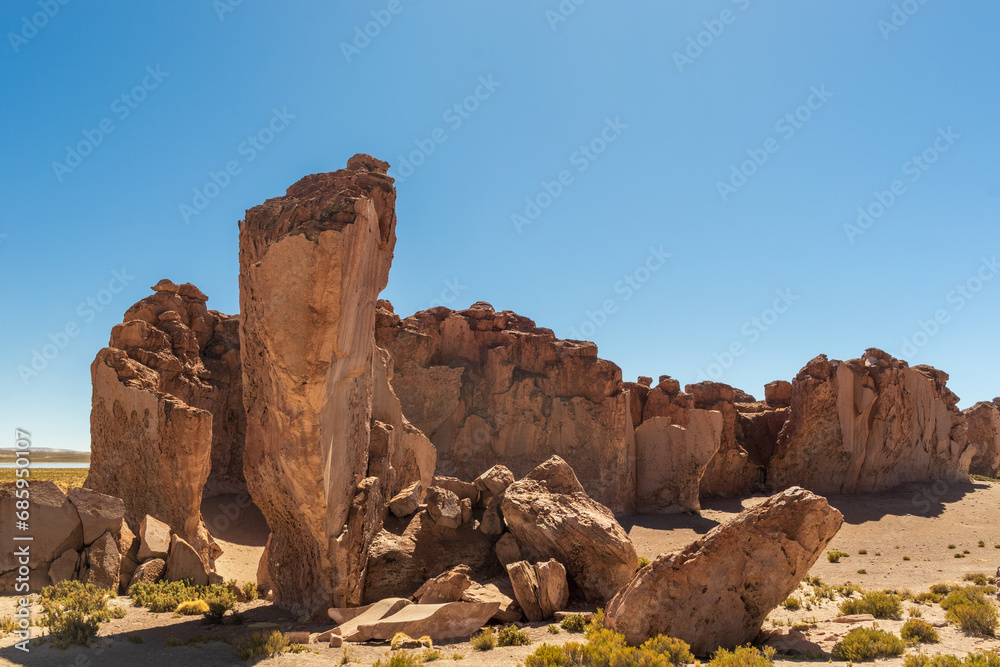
[(633, 127)]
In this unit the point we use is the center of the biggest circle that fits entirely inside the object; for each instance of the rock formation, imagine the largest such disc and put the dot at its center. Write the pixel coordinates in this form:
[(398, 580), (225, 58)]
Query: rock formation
[(671, 460), (984, 433), (312, 264), (717, 591), (167, 417), (551, 517), (492, 388), (870, 424)]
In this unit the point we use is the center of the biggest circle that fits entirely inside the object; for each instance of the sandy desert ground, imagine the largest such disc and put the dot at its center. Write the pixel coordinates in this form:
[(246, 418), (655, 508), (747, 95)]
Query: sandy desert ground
[(916, 521)]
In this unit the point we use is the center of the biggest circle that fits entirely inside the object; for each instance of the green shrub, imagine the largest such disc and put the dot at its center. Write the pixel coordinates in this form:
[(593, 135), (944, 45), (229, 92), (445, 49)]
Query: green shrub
[(919, 631), (863, 644), (952, 546), (792, 603), (511, 635), (399, 659), (743, 656), (835, 556), (880, 604), (485, 640), (261, 645), (74, 612), (7, 626), (553, 629), (251, 591), (643, 562), (862, 571), (977, 659), (977, 578), (607, 648), (71, 627), (192, 608), (551, 656), (135, 639), (915, 612), (862, 552), (574, 623)]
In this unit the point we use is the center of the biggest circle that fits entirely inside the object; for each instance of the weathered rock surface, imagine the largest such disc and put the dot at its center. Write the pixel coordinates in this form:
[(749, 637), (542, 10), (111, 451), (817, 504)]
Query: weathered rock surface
[(732, 471), (148, 571), (64, 567), (541, 589), (558, 520), (184, 563), (499, 591), (984, 433), (778, 394), (54, 522), (154, 539), (464, 490), (443, 507), (437, 621), (399, 564), (99, 513), (311, 266), (407, 501), (104, 563), (448, 586), (491, 388), (349, 628), (671, 460), (717, 591), (870, 424)]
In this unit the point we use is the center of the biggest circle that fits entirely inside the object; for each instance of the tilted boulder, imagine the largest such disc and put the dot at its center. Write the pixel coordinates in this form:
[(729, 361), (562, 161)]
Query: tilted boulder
[(148, 571), (53, 524), (552, 517), (99, 513), (717, 591), (184, 563), (492, 388), (984, 434), (671, 460), (167, 408), (65, 567), (446, 587), (870, 424), (312, 264), (541, 589), (103, 563)]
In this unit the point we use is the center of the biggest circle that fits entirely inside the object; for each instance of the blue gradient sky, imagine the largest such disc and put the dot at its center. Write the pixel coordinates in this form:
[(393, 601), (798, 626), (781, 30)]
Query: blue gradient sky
[(554, 87)]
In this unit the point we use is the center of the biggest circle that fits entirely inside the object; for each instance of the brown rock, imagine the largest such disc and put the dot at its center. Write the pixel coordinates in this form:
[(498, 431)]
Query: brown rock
[(671, 460), (64, 567), (350, 629), (492, 523), (778, 394), (854, 618), (443, 507), (499, 591), (154, 539), (311, 266), (572, 528), (525, 584), (791, 642), (508, 550), (466, 507), (984, 433), (104, 563), (448, 586), (870, 424), (731, 472), (128, 547), (148, 571), (464, 490), (493, 482), (493, 388), (437, 621), (541, 589), (184, 563), (407, 501), (54, 525), (99, 513), (717, 591)]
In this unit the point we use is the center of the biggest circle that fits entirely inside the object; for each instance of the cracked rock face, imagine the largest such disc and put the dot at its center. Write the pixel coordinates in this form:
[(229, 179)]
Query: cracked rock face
[(717, 591), (870, 424), (312, 264), (984, 433), (492, 388)]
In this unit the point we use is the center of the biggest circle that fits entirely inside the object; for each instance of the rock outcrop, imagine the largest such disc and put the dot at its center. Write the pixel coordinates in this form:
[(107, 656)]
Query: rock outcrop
[(312, 264), (492, 388), (870, 424), (671, 460), (717, 591), (167, 418), (551, 517), (984, 434)]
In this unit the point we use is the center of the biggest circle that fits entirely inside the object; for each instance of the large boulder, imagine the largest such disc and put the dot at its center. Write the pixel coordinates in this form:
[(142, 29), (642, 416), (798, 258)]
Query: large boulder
[(437, 621), (541, 589), (717, 591), (870, 424), (551, 516), (53, 524), (184, 563), (99, 513), (671, 460), (316, 388), (448, 586), (984, 434), (103, 563), (492, 388)]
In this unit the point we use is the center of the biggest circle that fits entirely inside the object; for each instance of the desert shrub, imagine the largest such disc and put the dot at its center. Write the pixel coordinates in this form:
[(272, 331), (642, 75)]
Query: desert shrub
[(970, 609), (835, 556), (906, 558), (982, 543), (553, 629), (595, 623), (74, 612), (485, 640), (574, 623), (261, 645), (7, 626), (400, 659), (511, 635), (862, 571), (941, 589), (251, 591), (605, 648), (430, 655), (800, 626), (915, 612), (792, 603), (862, 552), (880, 604), (743, 656), (71, 627), (919, 631), (192, 608), (547, 655), (977, 659), (977, 578), (164, 596), (863, 644)]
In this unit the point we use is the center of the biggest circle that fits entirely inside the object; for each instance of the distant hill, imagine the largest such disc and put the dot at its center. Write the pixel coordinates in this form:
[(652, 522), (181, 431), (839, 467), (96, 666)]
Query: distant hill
[(47, 455)]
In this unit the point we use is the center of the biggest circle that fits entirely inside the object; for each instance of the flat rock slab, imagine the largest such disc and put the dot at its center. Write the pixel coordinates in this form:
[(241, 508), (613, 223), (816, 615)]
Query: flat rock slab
[(854, 618), (437, 621), (350, 630)]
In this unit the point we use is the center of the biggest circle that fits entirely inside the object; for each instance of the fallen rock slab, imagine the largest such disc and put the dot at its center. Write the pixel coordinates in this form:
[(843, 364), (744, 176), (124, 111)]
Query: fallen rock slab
[(717, 591), (501, 592), (437, 621), (541, 589), (349, 630), (446, 587), (99, 513), (854, 618)]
